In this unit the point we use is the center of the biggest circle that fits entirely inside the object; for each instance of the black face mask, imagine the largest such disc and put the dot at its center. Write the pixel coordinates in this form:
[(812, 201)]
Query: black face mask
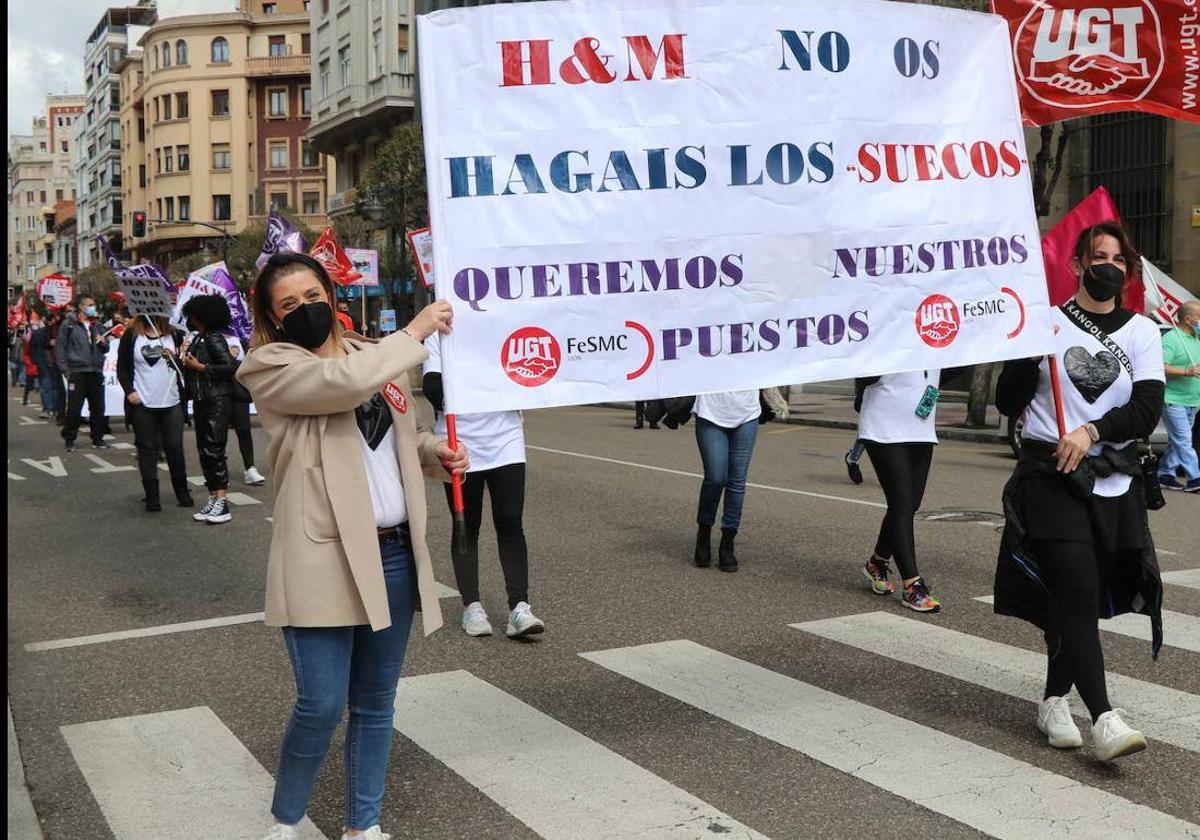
[(309, 324), (1103, 281)]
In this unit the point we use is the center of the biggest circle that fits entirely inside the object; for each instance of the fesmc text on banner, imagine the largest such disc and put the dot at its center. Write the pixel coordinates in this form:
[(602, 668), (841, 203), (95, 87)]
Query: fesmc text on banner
[(1078, 57), (663, 198)]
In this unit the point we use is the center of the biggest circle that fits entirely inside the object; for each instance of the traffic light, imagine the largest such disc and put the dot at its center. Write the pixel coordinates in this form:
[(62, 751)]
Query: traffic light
[(139, 224)]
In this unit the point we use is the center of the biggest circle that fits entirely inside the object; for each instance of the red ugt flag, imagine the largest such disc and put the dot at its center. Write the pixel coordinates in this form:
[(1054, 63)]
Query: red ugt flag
[(1079, 57), (1058, 249), (329, 253)]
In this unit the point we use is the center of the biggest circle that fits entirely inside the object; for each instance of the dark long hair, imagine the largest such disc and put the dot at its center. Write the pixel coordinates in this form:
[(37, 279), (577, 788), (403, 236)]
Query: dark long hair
[(278, 266), (1133, 259)]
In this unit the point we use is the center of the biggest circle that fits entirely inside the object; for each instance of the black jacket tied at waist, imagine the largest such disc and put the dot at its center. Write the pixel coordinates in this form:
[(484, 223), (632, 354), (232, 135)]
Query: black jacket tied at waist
[(1020, 588)]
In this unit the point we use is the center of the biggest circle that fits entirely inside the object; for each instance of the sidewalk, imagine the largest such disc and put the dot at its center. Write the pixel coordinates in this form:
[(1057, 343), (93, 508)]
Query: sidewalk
[(22, 821)]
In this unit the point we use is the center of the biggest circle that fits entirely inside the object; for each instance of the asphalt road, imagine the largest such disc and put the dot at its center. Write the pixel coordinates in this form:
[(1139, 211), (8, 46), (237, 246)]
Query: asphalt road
[(767, 744)]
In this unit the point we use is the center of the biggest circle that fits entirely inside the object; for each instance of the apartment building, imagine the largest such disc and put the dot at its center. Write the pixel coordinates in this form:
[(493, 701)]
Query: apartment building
[(214, 109), (40, 173), (98, 149)]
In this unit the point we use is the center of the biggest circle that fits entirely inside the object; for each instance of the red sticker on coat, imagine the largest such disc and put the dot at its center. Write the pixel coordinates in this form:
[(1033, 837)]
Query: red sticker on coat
[(395, 396)]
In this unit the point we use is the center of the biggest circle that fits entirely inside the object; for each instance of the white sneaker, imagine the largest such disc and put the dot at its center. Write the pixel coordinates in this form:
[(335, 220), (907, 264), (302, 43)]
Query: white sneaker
[(202, 514), (1112, 737), (372, 833), (475, 621), (522, 622), (1055, 722), (279, 831), (254, 477)]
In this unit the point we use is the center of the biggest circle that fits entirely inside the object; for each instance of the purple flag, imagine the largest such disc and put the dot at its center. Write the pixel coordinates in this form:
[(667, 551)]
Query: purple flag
[(282, 237), (145, 270), (214, 279)]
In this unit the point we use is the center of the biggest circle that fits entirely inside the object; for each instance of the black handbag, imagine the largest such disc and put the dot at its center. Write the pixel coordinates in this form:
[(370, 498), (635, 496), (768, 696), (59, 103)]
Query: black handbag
[(1148, 462)]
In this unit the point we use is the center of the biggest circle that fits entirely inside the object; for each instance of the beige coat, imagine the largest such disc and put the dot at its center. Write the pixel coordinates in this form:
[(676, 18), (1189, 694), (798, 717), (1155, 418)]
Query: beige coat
[(325, 568)]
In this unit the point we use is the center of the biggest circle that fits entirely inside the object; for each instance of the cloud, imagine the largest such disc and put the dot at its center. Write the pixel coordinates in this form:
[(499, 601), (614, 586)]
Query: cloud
[(46, 39)]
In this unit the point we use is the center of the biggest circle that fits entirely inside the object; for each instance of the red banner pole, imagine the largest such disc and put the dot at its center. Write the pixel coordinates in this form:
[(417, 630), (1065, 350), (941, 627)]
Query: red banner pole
[(1056, 394), (459, 542)]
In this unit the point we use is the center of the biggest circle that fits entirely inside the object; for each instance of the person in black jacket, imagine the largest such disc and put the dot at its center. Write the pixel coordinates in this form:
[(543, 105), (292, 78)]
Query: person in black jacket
[(211, 369), (1077, 543), (79, 351), (150, 375)]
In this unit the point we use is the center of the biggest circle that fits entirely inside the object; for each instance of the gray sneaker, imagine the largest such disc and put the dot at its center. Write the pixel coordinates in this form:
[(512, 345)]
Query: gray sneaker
[(522, 622)]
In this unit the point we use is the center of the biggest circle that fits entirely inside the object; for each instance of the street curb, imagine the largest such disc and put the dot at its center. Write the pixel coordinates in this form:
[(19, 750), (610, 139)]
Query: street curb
[(22, 819), (944, 433)]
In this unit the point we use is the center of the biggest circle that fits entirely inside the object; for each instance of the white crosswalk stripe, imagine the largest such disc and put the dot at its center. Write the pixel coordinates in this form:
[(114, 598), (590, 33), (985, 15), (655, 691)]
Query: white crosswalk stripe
[(172, 774), (989, 791), (1184, 577), (561, 784), (1179, 629), (1160, 712)]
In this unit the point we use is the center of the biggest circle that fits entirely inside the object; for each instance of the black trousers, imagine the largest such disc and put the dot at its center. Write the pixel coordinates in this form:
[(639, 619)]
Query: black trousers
[(903, 469), (87, 387), (506, 487), (1074, 573), (239, 418), (212, 436), (155, 428)]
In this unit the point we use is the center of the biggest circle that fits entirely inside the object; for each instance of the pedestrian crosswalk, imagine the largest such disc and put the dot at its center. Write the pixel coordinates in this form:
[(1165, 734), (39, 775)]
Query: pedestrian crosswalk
[(559, 783), (1184, 577)]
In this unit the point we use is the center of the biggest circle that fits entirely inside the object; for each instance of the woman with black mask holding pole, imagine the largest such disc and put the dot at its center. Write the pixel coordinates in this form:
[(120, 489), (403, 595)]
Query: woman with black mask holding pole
[(1077, 544)]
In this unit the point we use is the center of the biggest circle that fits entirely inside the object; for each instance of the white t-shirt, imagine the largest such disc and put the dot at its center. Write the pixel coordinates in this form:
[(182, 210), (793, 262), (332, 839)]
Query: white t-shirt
[(1093, 381), (383, 478), (494, 439), (889, 409), (153, 373), (728, 409)]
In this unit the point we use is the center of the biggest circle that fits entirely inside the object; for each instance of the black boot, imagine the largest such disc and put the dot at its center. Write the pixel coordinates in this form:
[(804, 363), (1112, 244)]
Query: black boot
[(726, 561), (184, 496), (703, 557), (152, 501)]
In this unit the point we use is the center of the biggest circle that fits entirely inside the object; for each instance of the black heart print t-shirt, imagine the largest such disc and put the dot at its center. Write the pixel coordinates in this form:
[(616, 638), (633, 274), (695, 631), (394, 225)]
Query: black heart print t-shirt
[(1095, 377)]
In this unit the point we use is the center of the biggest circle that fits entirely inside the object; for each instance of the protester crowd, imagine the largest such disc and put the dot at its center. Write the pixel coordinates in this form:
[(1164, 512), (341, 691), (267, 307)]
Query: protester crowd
[(349, 567)]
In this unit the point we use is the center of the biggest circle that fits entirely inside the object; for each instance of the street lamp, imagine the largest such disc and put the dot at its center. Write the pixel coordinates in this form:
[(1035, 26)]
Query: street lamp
[(224, 234)]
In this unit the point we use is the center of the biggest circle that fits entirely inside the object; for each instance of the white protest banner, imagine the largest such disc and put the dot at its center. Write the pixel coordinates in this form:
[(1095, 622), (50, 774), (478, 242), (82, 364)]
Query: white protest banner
[(55, 290), (633, 200), (366, 263), (146, 295), (421, 243)]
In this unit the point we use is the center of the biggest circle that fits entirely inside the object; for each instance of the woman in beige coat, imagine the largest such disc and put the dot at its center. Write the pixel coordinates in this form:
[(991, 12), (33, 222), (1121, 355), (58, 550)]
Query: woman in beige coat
[(348, 563)]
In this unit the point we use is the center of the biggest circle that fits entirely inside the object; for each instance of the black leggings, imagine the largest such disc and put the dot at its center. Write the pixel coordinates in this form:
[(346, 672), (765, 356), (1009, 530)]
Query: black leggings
[(506, 487), (155, 428), (1074, 571), (903, 469), (240, 420)]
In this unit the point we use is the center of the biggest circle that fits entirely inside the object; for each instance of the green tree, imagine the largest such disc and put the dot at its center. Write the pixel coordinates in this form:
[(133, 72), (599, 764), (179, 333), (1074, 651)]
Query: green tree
[(181, 267), (245, 247), (97, 281)]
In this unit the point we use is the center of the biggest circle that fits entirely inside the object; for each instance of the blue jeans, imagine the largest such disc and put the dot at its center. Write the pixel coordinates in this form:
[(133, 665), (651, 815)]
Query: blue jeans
[(1180, 450), (336, 664), (46, 385), (726, 457)]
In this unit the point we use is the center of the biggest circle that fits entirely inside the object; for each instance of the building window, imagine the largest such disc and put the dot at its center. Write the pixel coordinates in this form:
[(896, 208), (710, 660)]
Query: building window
[(402, 46), (324, 7), (308, 155), (268, 8), (168, 159), (42, 193), (29, 197), (277, 102), (325, 78), (181, 105), (158, 215), (377, 51), (220, 156), (142, 175), (344, 61), (276, 45), (220, 103), (305, 42), (64, 146), (181, 56), (158, 160), (185, 159), (185, 208), (278, 155), (220, 205), (58, 195), (166, 108), (170, 217), (220, 50), (279, 201), (141, 130), (312, 203), (166, 55), (305, 101)]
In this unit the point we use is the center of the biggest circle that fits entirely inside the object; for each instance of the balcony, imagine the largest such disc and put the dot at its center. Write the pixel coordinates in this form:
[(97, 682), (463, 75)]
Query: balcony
[(343, 201), (278, 65)]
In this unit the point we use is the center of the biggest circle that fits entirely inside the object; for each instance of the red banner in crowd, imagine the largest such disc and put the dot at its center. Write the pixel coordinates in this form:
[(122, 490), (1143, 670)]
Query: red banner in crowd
[(1058, 247), (329, 253), (1079, 57)]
